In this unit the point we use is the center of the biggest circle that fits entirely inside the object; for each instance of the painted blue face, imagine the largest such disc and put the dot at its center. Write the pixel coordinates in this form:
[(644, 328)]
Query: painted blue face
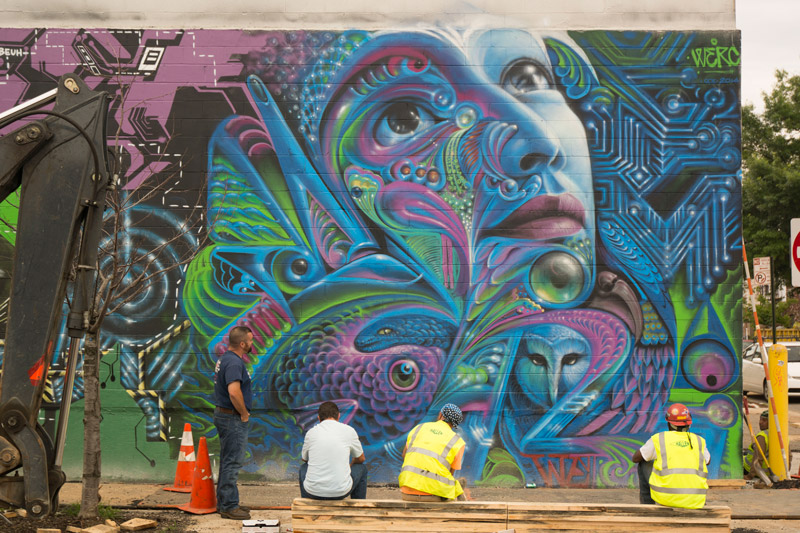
[(551, 360), (481, 124), (549, 148)]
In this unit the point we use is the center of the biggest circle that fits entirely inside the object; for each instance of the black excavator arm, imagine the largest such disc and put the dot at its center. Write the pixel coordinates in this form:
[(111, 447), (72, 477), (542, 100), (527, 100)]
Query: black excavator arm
[(58, 159)]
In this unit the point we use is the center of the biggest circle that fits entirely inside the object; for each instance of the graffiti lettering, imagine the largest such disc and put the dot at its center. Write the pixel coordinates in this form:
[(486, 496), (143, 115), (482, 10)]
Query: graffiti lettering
[(11, 52), (710, 81), (716, 56), (566, 470)]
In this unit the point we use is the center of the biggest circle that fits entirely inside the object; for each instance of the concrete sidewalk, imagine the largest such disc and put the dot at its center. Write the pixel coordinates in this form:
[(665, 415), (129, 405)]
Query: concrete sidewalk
[(745, 503)]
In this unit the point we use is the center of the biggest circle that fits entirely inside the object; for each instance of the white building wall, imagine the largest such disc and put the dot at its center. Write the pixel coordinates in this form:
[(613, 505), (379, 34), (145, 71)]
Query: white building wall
[(376, 14)]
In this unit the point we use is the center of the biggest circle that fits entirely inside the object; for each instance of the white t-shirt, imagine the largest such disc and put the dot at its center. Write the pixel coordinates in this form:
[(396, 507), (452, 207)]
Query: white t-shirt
[(648, 451), (328, 448)]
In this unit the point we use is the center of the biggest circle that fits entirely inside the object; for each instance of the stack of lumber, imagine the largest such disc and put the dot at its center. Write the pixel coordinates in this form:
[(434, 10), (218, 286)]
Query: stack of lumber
[(348, 516), (620, 517)]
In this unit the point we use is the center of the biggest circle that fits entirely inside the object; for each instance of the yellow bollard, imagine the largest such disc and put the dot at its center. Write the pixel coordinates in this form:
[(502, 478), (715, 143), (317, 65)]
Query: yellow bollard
[(778, 372)]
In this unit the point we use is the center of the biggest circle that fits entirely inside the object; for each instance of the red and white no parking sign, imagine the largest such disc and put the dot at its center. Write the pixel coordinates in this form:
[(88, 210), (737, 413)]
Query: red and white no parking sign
[(794, 247), (761, 271)]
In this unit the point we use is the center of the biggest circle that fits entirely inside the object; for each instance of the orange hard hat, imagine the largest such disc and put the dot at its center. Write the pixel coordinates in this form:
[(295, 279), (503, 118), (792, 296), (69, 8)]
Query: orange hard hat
[(678, 415)]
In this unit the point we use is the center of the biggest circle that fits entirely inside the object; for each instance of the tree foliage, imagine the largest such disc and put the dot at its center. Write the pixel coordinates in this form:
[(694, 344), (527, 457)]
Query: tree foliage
[(771, 182), (785, 314)]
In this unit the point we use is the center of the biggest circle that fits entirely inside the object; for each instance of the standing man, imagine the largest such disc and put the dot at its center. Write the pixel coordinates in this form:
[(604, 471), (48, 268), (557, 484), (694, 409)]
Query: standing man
[(334, 460), (432, 454), (675, 463), (752, 464), (233, 397)]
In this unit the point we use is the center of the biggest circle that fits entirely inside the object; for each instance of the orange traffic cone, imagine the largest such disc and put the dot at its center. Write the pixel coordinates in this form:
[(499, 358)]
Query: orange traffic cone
[(204, 499), (185, 471)]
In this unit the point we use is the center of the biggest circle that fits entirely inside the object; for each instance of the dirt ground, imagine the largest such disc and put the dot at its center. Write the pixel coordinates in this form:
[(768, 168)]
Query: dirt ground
[(168, 521), (765, 526), (174, 521)]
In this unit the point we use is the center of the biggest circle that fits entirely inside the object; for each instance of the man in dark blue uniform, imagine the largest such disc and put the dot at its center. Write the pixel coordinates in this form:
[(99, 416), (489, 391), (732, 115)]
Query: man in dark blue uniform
[(233, 397)]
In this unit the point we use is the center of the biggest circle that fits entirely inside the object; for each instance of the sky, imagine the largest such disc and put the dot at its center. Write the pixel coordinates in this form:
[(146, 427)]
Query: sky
[(770, 40)]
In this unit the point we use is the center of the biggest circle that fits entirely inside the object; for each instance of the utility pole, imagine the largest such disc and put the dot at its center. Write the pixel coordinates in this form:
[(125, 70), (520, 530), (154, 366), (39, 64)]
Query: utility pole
[(772, 290)]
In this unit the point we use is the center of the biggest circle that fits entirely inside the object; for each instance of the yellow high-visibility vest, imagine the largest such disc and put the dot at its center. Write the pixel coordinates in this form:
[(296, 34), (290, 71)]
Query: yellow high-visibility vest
[(679, 477), (431, 449), (752, 452)]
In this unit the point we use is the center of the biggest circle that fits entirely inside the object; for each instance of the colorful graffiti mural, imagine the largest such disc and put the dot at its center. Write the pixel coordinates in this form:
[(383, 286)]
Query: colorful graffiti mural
[(543, 228)]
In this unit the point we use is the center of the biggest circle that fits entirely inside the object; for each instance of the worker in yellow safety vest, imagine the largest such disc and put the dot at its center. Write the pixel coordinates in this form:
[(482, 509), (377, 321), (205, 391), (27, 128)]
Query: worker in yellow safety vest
[(750, 464), (433, 452), (673, 464)]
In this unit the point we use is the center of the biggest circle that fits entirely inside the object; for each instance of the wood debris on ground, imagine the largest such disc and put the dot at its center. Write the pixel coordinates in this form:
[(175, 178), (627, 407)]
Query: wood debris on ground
[(138, 524), (101, 528)]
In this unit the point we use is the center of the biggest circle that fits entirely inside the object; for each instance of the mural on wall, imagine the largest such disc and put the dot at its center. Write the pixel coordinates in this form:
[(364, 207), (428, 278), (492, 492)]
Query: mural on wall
[(543, 228)]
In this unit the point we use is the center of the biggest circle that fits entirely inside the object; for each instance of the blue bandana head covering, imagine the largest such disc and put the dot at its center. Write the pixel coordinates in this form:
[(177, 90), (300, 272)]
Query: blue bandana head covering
[(452, 414)]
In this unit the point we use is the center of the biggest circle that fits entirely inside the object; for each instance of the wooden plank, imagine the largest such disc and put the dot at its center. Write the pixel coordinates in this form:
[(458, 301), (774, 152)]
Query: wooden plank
[(342, 516), (615, 517), (409, 523), (609, 525), (137, 524), (399, 508), (533, 516), (726, 483), (383, 504), (355, 514), (618, 507), (100, 528), (631, 509), (612, 527), (403, 526)]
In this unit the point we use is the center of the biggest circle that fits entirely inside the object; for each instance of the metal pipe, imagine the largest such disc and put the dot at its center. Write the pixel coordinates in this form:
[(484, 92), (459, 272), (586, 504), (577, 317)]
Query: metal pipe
[(772, 299), (34, 103), (66, 400)]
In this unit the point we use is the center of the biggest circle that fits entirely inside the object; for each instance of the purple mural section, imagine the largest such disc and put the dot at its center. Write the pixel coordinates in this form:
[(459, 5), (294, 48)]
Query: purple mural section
[(541, 227)]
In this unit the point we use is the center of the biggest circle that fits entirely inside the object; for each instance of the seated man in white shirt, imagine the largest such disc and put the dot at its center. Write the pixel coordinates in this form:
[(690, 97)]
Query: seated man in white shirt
[(334, 460)]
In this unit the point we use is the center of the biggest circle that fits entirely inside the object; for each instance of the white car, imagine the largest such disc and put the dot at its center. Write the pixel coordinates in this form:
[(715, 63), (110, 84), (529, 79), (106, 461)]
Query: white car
[(753, 371)]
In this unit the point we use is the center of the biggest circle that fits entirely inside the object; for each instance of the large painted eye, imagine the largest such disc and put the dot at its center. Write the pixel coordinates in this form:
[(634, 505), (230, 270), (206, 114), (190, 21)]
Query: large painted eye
[(709, 366), (570, 359), (400, 121), (292, 270), (299, 267), (404, 375), (538, 359), (524, 76), (557, 278)]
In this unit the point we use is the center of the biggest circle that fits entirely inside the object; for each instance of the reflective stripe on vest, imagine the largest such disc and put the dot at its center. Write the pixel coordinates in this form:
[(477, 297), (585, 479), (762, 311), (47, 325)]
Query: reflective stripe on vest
[(442, 457), (432, 447), (682, 485), (752, 452), (673, 490), (699, 471), (431, 475), (691, 471)]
